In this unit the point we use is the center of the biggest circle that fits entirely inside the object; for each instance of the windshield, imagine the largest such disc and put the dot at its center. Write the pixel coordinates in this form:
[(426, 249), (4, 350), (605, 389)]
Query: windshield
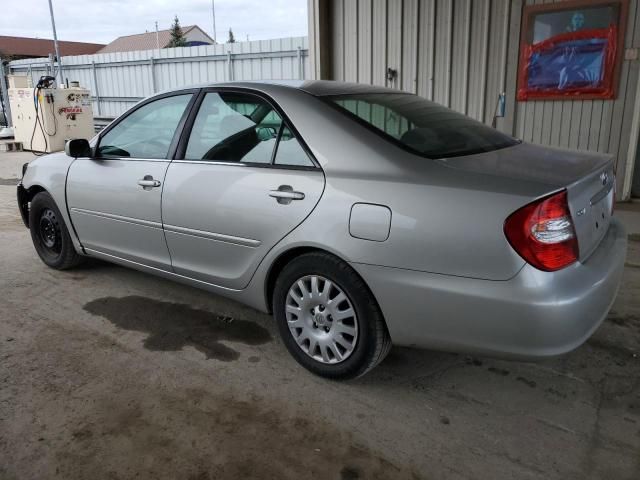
[(421, 126)]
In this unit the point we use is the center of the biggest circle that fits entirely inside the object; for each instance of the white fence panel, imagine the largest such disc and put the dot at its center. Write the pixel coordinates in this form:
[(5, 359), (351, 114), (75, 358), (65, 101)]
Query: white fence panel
[(119, 80)]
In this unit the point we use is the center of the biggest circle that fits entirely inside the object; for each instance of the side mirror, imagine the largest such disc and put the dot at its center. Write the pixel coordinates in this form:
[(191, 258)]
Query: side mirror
[(77, 147)]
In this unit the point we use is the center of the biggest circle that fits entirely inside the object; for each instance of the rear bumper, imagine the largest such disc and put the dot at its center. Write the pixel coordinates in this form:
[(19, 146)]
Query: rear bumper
[(534, 314)]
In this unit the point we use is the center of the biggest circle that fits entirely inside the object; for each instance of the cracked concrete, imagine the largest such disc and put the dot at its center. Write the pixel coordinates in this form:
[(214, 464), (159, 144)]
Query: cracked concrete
[(87, 392)]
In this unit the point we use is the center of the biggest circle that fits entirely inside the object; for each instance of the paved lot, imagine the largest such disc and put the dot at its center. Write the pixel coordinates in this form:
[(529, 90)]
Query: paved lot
[(110, 373)]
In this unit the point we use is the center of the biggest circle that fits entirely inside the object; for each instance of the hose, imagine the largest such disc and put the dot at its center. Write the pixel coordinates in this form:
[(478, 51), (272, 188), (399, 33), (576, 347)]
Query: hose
[(44, 82)]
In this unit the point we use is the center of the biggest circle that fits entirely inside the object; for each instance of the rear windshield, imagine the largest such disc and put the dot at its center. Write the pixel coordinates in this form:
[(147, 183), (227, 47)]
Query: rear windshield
[(422, 126)]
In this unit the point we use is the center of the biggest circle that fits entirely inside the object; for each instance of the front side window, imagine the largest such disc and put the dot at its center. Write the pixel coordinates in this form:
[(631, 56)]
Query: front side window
[(147, 132), (424, 127), (234, 127)]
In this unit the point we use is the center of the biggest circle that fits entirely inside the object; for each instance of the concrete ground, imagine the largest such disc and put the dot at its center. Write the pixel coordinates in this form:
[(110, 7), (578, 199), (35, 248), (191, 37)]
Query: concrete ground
[(110, 373), (629, 213)]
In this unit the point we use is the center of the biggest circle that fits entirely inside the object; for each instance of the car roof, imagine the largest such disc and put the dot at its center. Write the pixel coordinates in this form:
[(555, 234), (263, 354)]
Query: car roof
[(317, 88)]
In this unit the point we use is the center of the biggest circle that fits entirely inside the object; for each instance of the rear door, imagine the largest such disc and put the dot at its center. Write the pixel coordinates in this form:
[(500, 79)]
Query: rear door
[(242, 182), (115, 198)]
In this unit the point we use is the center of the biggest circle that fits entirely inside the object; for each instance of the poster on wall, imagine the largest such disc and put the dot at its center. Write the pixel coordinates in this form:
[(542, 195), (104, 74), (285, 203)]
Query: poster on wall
[(571, 50)]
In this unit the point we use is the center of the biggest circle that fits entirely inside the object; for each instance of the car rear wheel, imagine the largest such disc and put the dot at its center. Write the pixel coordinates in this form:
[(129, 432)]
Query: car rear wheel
[(327, 317), (50, 235)]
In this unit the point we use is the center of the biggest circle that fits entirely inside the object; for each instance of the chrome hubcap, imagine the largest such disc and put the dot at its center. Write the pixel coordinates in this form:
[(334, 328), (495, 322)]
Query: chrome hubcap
[(321, 319)]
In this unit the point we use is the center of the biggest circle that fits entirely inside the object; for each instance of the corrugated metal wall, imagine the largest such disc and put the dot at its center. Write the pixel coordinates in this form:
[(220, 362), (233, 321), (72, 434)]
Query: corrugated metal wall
[(451, 51), (596, 125), (462, 54), (118, 80)]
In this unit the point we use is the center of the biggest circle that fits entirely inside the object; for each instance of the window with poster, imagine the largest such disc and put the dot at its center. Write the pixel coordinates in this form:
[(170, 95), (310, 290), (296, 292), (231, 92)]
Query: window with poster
[(571, 49)]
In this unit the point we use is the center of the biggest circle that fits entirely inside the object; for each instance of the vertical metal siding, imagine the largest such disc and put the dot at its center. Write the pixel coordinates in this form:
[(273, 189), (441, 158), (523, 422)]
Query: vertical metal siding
[(315, 35), (497, 49), (394, 41), (463, 54), (409, 50), (511, 28), (378, 41), (365, 41), (337, 40), (442, 65), (478, 71), (351, 41), (122, 79), (426, 47), (460, 56)]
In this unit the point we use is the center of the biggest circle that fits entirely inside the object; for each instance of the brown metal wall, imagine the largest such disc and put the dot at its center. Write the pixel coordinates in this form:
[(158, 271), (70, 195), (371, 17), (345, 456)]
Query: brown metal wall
[(462, 54)]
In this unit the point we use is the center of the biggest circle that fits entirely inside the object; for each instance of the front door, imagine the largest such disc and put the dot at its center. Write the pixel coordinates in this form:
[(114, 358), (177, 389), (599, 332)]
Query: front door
[(245, 182), (115, 198)]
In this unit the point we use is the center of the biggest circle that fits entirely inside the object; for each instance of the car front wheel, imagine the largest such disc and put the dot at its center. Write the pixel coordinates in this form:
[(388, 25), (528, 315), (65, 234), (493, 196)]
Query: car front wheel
[(328, 318), (49, 234)]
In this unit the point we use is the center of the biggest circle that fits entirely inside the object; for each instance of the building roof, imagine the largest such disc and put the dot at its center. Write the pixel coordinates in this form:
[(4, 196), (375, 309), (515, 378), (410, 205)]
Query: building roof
[(146, 41), (41, 47)]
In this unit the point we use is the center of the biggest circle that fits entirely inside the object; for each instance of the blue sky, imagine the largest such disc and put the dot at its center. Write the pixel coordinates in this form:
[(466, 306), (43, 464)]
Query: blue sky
[(101, 21)]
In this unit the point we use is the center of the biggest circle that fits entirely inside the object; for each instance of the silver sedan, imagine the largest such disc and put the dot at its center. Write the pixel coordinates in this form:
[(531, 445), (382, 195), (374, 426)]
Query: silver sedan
[(359, 216)]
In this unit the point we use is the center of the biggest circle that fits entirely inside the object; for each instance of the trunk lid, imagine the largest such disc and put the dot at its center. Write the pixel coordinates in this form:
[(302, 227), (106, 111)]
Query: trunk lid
[(590, 202), (588, 177)]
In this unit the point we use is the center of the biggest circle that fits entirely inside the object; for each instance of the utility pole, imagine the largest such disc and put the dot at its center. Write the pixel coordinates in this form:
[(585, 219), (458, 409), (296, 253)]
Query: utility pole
[(213, 17), (55, 42), (157, 37)]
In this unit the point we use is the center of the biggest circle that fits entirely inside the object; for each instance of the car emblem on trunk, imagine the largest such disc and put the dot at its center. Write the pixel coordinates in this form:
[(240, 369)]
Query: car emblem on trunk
[(604, 176)]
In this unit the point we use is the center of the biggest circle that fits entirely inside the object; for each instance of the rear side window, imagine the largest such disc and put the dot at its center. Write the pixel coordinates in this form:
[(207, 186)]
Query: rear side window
[(290, 152), (424, 127), (234, 127), (238, 127)]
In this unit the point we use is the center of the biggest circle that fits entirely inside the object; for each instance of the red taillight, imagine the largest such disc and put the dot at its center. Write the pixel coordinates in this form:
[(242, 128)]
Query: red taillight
[(542, 233)]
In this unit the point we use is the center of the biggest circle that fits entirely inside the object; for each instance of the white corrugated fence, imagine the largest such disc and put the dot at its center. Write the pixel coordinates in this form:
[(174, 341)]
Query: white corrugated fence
[(118, 80)]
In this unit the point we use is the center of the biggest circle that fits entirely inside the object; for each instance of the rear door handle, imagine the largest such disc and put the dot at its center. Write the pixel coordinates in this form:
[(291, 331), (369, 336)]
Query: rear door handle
[(285, 194), (289, 195), (148, 182)]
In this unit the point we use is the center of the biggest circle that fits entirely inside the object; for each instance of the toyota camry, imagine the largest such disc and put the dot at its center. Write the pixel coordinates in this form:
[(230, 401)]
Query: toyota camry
[(359, 216)]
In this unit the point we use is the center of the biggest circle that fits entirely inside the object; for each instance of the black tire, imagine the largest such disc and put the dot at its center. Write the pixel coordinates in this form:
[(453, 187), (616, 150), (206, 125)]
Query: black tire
[(373, 342), (50, 235)]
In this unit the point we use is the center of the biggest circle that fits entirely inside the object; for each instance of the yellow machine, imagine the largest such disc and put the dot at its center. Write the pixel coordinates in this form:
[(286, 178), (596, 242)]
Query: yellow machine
[(45, 117)]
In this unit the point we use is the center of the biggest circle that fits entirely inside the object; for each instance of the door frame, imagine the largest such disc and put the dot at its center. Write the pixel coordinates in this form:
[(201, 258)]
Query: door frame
[(179, 128)]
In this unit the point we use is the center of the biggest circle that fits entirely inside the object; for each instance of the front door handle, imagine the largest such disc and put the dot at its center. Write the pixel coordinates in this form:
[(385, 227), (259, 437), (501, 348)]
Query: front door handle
[(285, 194), (147, 183)]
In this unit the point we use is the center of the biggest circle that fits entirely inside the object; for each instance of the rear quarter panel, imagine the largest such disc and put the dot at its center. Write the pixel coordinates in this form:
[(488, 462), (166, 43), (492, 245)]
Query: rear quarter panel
[(443, 220), (434, 228)]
